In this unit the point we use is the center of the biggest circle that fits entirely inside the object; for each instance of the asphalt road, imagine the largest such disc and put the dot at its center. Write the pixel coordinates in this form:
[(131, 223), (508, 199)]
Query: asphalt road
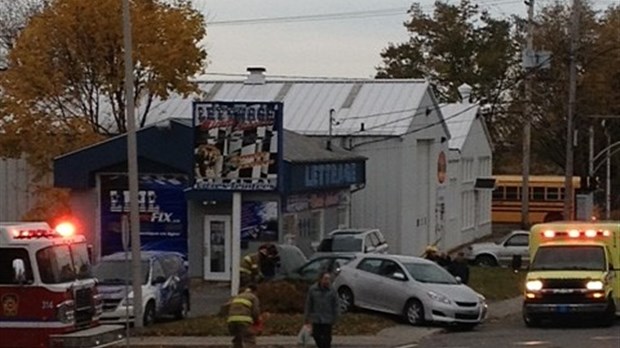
[(511, 332)]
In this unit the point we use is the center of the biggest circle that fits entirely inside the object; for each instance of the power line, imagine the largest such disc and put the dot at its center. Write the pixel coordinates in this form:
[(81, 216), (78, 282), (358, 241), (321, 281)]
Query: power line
[(334, 16), (314, 17)]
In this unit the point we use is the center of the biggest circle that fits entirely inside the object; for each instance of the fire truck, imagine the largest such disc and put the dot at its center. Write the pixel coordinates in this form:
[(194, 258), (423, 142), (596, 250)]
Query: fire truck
[(575, 272), (48, 297)]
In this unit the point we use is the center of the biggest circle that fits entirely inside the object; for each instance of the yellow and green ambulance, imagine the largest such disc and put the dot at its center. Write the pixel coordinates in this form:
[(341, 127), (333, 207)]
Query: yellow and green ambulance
[(574, 272)]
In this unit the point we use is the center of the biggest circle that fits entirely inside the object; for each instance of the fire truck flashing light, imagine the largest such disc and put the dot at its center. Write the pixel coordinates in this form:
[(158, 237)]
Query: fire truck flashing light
[(576, 233), (64, 229)]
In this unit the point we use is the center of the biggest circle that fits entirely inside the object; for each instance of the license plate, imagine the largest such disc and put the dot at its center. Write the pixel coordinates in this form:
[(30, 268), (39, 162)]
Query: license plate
[(563, 309)]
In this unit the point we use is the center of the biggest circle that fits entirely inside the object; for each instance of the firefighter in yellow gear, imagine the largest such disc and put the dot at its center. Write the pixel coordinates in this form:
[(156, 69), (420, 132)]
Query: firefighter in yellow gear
[(249, 267), (243, 313)]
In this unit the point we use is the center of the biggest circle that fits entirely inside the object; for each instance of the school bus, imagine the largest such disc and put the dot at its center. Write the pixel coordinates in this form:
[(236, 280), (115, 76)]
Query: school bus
[(546, 198)]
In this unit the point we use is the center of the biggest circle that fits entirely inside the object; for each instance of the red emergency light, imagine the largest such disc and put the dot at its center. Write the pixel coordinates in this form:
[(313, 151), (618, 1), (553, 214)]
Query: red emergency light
[(34, 233), (576, 233), (64, 229)]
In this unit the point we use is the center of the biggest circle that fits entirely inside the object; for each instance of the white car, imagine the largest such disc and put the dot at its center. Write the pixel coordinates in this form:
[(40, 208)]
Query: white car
[(165, 287), (353, 240), (418, 289), (501, 252)]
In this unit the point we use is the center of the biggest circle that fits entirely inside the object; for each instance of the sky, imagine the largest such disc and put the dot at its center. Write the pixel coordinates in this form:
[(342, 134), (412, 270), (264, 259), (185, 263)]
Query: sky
[(341, 47)]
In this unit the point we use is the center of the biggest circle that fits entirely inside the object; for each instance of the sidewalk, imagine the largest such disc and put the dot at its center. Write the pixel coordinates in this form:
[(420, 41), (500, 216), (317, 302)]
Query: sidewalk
[(395, 336)]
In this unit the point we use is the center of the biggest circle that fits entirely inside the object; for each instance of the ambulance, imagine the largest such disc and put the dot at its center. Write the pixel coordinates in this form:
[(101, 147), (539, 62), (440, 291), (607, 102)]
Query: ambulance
[(48, 297), (575, 272)]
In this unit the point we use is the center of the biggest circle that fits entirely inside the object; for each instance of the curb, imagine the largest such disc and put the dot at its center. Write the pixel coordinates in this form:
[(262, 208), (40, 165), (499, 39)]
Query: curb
[(394, 336)]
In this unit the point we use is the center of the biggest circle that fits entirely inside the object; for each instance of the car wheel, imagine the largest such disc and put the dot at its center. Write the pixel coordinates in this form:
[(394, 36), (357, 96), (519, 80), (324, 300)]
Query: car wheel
[(183, 310), (414, 312), (485, 261), (149, 314), (346, 299)]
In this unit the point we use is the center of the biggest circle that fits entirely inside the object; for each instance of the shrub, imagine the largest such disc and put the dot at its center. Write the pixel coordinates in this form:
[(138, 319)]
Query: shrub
[(282, 296)]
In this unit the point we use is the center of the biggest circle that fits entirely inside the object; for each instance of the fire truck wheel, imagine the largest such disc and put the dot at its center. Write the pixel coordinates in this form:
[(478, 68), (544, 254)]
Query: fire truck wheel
[(184, 309), (149, 314)]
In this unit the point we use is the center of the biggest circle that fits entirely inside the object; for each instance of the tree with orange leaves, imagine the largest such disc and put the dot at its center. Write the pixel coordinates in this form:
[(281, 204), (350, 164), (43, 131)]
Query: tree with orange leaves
[(63, 84)]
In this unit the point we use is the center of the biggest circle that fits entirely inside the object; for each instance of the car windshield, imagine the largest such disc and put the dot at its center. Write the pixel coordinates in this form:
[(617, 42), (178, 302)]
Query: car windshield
[(587, 258), (117, 272), (429, 273), (341, 243), (64, 263)]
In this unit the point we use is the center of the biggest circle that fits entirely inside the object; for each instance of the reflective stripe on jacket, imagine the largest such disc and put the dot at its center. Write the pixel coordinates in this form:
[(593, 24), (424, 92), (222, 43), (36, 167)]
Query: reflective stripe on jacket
[(249, 264), (244, 308)]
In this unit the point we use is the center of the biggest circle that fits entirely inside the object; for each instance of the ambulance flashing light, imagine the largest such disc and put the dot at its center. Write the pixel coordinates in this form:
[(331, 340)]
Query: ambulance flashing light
[(576, 233)]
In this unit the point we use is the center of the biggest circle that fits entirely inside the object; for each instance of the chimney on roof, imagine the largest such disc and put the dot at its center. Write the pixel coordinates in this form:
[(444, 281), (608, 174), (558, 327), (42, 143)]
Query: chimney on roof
[(256, 76), (465, 92)]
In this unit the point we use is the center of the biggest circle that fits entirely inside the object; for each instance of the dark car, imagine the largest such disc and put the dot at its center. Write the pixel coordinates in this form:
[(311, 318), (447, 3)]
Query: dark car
[(310, 271), (165, 286)]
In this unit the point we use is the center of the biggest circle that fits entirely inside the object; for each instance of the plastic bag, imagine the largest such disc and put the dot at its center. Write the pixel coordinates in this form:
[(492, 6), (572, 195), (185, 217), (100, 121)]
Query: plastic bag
[(304, 336)]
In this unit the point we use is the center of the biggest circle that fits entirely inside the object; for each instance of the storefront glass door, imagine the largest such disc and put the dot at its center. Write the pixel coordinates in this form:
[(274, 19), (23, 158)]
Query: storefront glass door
[(217, 247)]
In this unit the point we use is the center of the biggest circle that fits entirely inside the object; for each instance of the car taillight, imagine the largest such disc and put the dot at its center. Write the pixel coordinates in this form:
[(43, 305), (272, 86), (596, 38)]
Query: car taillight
[(65, 311)]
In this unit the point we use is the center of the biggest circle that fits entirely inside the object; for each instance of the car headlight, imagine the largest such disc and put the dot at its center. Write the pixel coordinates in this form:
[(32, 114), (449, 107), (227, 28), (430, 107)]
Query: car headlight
[(481, 299), (594, 285), (534, 285), (128, 301), (439, 298)]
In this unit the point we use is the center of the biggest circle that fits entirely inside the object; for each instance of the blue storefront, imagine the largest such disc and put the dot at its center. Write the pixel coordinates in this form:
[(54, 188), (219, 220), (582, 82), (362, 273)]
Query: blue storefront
[(298, 198)]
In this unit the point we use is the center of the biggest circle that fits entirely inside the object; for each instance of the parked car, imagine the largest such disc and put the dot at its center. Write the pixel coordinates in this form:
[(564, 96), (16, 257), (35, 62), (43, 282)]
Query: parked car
[(500, 252), (353, 241), (418, 289), (291, 258), (310, 271), (165, 287)]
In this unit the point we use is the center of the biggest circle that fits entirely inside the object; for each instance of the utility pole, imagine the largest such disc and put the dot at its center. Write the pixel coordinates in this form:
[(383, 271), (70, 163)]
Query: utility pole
[(132, 168), (527, 118), (572, 94)]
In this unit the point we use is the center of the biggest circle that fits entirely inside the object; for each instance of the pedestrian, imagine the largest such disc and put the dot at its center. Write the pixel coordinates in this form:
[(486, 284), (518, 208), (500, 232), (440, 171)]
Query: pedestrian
[(459, 267), (431, 253), (243, 313), (250, 267), (269, 262), (322, 310)]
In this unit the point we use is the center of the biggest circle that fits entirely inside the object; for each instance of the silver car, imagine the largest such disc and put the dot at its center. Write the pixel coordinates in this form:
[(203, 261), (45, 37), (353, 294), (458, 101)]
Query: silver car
[(418, 289), (500, 252)]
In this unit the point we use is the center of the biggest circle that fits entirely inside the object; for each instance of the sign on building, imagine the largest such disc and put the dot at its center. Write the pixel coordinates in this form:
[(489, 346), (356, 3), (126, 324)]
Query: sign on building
[(237, 145), (162, 209)]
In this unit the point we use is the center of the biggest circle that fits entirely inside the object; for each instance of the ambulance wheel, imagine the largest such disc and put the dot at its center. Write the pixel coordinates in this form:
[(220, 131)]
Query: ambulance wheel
[(610, 313), (530, 320), (149, 314)]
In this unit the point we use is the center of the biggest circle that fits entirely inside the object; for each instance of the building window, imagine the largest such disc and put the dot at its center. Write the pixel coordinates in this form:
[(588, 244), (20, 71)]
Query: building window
[(484, 166), (310, 226), (468, 169), (343, 216), (468, 209)]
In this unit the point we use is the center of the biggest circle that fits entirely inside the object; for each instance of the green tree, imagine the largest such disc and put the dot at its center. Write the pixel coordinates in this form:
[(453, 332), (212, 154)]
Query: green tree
[(457, 44)]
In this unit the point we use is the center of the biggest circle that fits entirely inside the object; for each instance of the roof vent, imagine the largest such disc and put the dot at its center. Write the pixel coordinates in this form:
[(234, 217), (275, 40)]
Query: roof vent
[(465, 92), (257, 75)]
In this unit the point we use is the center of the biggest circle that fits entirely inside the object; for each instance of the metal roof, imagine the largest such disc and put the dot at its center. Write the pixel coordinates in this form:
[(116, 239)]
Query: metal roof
[(459, 117), (381, 107)]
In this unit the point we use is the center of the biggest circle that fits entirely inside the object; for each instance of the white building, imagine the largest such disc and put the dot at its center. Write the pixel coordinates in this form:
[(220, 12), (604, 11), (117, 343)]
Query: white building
[(470, 160), (397, 124)]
